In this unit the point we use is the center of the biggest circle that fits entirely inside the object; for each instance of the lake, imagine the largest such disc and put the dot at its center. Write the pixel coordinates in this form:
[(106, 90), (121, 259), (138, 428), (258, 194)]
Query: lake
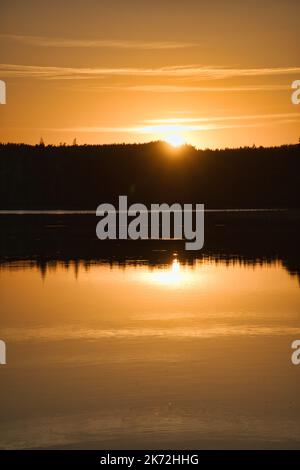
[(145, 345)]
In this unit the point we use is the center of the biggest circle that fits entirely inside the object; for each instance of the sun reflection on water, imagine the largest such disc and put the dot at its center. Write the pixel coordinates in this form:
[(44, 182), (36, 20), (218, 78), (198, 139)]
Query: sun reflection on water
[(174, 275)]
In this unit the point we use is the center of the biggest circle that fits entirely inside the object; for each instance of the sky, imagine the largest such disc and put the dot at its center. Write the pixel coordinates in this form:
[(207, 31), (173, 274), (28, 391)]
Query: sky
[(210, 73)]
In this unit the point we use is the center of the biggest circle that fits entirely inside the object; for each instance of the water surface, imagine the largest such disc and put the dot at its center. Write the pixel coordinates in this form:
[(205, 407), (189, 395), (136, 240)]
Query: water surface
[(144, 344), (180, 355)]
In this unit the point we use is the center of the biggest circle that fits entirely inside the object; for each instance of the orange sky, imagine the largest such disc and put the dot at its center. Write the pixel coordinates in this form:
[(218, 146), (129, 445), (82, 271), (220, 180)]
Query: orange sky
[(211, 73)]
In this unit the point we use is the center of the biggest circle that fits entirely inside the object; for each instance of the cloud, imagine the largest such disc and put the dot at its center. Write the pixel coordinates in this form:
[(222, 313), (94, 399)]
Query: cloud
[(52, 334), (44, 41), (188, 89), (179, 71), (242, 117), (162, 126)]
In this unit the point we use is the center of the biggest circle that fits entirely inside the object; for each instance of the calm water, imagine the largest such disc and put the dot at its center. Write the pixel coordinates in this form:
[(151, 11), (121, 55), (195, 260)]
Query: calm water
[(146, 345), (173, 355)]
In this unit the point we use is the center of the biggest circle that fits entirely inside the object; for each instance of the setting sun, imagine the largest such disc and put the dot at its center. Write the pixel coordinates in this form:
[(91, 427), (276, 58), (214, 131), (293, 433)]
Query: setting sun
[(176, 140)]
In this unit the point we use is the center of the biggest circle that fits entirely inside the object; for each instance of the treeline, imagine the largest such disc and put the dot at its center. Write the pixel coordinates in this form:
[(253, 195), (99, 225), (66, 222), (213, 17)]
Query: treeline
[(82, 177)]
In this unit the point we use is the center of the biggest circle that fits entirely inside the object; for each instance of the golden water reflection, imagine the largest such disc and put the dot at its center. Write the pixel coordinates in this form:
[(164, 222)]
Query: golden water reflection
[(175, 275), (169, 356)]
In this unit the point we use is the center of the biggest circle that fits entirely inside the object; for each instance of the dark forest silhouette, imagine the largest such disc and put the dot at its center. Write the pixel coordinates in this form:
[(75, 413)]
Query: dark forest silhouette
[(46, 240), (83, 176)]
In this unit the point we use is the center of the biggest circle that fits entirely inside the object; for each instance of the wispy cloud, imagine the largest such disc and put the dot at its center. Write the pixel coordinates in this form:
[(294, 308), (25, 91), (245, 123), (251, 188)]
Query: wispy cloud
[(45, 41), (188, 89), (51, 334), (243, 117), (162, 126), (187, 71)]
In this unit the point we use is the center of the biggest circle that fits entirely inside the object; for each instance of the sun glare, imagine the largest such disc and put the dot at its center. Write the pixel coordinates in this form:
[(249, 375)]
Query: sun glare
[(173, 275), (176, 140)]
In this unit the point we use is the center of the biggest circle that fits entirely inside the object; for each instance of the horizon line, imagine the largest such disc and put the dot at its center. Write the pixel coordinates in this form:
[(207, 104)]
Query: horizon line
[(152, 142)]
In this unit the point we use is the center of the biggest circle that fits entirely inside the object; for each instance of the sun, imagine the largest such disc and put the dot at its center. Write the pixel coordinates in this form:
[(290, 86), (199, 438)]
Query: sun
[(173, 276), (176, 140)]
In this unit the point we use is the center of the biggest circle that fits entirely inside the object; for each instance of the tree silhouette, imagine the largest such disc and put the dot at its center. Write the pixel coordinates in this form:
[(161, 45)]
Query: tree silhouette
[(83, 176)]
